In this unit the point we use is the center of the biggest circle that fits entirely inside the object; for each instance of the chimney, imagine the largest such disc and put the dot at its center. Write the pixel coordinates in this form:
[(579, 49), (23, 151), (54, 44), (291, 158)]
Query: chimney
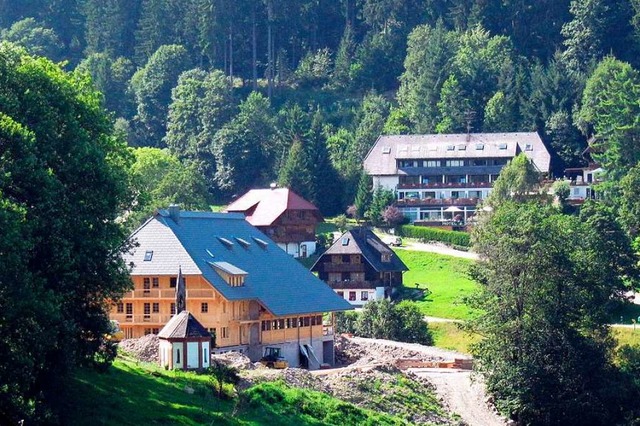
[(174, 212)]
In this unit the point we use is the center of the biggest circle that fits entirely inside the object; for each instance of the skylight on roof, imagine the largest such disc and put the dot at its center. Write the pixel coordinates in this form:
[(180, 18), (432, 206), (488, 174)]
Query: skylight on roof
[(148, 255), (242, 242), (345, 241), (528, 147), (462, 147), (227, 243), (209, 253), (262, 243), (479, 146), (451, 147), (502, 146), (386, 150)]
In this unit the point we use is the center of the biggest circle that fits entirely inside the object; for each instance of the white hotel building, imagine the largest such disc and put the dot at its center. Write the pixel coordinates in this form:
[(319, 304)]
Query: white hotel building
[(443, 177)]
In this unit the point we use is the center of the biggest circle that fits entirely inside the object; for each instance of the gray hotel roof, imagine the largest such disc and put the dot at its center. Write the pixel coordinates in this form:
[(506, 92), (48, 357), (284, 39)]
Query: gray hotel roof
[(278, 281), (381, 159)]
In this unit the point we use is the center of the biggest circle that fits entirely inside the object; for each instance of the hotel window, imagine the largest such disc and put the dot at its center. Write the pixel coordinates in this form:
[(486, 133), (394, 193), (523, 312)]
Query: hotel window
[(177, 356), (173, 309), (319, 320), (225, 332), (147, 331), (454, 163), (341, 294), (155, 282), (313, 321), (294, 322), (479, 162), (155, 330), (352, 295), (120, 307), (129, 310), (280, 324), (146, 284), (266, 325), (431, 163), (364, 295), (204, 307), (155, 308), (306, 321)]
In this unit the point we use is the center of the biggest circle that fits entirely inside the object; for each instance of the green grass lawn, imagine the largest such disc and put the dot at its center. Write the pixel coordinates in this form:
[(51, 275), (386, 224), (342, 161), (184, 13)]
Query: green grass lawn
[(447, 279), (448, 335), (133, 393), (627, 336)]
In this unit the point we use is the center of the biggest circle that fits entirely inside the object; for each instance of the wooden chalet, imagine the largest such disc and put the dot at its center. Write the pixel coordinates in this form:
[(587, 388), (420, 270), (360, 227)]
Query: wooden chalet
[(287, 218), (360, 267)]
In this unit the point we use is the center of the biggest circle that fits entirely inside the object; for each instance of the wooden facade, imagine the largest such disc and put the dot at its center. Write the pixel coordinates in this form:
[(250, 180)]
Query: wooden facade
[(151, 304), (293, 226)]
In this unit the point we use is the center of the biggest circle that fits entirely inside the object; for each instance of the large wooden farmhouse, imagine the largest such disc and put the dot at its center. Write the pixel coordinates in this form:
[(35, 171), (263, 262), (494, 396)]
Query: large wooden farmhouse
[(287, 218), (360, 267), (240, 286)]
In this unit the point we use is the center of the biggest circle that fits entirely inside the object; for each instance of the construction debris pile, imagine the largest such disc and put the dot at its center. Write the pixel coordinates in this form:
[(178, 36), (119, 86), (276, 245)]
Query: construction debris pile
[(145, 348), (235, 360)]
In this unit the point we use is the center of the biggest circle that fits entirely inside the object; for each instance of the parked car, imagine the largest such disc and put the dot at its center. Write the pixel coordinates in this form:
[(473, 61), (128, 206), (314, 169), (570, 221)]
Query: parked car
[(393, 241)]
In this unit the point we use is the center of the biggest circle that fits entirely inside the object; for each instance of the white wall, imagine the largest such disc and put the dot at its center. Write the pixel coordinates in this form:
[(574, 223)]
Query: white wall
[(165, 352), (206, 354), (295, 249), (387, 182), (359, 301)]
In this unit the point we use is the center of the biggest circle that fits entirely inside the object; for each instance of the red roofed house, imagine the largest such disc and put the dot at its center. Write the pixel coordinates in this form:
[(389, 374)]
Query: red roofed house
[(284, 216)]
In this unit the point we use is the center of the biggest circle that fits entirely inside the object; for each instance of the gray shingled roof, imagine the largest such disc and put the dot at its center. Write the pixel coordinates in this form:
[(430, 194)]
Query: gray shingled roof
[(363, 241), (182, 326), (381, 159), (278, 281)]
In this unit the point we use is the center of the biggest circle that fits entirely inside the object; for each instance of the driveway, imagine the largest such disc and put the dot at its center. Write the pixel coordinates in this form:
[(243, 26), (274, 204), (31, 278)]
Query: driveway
[(437, 248)]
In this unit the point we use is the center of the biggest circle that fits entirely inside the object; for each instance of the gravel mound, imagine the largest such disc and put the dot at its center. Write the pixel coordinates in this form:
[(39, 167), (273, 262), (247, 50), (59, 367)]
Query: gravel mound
[(144, 348), (234, 360)]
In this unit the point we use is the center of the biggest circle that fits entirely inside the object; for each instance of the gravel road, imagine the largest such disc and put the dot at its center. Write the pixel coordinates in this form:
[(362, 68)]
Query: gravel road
[(462, 395)]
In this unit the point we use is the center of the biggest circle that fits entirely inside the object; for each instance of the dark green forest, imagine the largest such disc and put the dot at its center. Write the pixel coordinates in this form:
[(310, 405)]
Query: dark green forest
[(244, 93)]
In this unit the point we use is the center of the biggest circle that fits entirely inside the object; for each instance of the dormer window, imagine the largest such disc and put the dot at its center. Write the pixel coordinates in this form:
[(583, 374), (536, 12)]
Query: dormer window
[(233, 275)]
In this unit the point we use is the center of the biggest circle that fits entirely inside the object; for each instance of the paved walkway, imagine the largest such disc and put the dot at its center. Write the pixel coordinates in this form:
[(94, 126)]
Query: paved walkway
[(437, 248)]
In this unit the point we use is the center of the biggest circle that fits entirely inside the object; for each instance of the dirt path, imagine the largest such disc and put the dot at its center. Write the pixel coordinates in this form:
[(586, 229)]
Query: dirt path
[(462, 395), (437, 248)]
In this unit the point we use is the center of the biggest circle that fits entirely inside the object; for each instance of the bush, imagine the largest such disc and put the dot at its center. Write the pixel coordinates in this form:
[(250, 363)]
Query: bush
[(346, 322), (425, 234), (402, 322)]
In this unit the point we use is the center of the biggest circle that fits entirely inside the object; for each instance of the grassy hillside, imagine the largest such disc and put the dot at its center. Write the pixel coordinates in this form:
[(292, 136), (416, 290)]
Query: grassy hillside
[(445, 277), (133, 393)]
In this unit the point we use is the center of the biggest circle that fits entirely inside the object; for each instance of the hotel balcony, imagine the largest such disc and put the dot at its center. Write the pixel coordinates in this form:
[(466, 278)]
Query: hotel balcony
[(438, 202), (440, 185)]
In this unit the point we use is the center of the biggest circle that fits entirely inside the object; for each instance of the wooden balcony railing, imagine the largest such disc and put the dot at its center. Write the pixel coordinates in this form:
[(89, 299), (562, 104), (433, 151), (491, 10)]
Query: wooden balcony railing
[(349, 284), (167, 293), (159, 319), (344, 267)]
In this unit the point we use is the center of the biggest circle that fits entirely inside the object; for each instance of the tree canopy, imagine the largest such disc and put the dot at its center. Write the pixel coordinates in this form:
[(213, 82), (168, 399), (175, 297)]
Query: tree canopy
[(64, 182)]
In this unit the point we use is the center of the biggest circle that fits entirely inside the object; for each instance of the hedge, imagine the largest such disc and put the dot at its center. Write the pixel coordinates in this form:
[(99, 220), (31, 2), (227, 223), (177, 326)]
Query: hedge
[(424, 233)]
